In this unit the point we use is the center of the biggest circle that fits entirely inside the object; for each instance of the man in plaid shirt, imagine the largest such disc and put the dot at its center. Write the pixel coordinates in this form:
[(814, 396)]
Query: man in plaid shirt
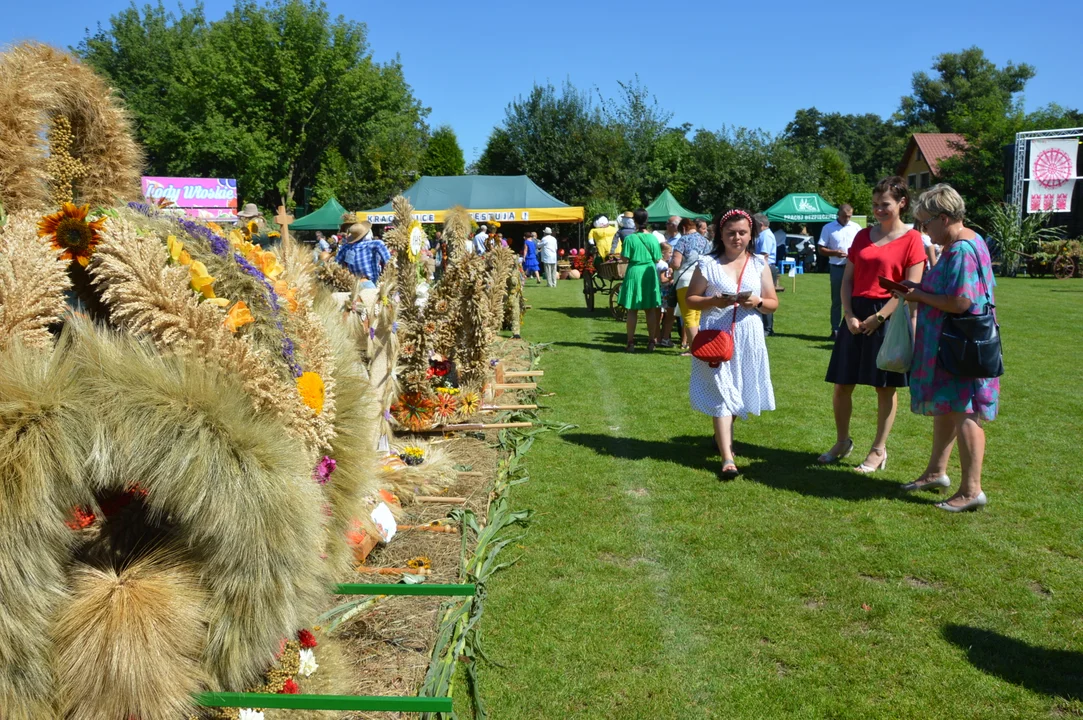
[(362, 255)]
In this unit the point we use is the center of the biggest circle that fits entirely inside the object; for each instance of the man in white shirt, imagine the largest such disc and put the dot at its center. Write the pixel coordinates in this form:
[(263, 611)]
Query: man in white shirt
[(765, 248), (480, 239), (835, 240), (547, 256)]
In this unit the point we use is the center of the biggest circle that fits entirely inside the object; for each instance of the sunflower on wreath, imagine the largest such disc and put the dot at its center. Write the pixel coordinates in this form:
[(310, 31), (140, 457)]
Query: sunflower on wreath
[(469, 404), (69, 231)]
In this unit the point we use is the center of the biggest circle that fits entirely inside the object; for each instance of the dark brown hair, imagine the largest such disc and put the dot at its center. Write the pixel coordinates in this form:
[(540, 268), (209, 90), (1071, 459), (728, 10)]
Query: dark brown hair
[(687, 225), (718, 247), (897, 188)]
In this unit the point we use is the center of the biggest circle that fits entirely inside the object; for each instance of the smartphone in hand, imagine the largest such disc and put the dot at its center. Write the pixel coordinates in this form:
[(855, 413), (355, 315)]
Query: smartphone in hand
[(893, 286), (742, 296)]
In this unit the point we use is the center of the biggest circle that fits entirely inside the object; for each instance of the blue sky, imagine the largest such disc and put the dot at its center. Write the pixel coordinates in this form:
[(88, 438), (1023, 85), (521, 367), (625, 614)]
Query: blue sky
[(711, 63)]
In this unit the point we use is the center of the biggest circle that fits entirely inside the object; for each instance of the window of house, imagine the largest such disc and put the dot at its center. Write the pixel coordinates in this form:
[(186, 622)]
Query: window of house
[(921, 158), (912, 180), (924, 180)]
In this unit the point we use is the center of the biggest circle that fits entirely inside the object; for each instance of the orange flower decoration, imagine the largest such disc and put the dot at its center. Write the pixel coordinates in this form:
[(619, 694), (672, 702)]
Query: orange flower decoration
[(446, 406), (414, 411), (283, 290), (238, 316), (310, 385), (69, 231)]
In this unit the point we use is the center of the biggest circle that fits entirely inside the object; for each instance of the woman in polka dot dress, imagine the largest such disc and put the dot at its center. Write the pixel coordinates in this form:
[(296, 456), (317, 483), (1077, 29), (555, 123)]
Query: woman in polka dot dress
[(741, 386)]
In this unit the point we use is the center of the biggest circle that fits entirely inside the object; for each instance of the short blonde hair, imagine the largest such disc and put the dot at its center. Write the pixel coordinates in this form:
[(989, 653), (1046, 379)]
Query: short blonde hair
[(941, 199)]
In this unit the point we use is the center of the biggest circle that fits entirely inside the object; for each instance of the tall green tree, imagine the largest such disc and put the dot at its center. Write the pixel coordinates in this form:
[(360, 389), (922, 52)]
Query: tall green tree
[(870, 145), (561, 140), (281, 96), (443, 156), (967, 87)]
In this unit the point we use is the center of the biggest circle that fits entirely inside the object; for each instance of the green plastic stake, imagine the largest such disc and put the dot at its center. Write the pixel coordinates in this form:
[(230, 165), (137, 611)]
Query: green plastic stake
[(403, 589), (325, 702)]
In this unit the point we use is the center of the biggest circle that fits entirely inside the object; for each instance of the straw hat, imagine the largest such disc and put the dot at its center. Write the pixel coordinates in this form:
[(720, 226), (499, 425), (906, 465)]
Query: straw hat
[(250, 211), (348, 218), (361, 229)]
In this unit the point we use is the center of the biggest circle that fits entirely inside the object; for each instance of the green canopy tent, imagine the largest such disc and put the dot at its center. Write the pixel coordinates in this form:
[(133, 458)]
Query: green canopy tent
[(666, 206), (328, 217), (510, 198), (802, 208)]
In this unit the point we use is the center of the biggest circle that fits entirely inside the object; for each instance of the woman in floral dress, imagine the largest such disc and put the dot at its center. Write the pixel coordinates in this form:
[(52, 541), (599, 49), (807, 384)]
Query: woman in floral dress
[(961, 281)]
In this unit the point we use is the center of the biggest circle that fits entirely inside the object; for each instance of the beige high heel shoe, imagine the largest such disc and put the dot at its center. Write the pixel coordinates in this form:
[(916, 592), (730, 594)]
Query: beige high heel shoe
[(865, 469)]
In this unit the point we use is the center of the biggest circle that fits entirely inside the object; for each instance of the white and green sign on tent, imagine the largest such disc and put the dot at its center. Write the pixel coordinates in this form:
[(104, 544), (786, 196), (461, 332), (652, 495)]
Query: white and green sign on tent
[(802, 207)]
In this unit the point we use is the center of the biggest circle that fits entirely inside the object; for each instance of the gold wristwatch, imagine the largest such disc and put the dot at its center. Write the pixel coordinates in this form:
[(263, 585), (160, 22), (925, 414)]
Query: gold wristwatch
[(880, 318)]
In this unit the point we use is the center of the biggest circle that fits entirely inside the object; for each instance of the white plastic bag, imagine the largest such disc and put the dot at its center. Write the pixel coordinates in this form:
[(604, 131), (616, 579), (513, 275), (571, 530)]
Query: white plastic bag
[(897, 352)]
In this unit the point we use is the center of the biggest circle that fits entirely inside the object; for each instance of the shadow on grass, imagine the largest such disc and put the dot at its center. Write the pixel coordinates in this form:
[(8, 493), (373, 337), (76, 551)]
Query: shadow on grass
[(578, 311), (781, 469), (1058, 673)]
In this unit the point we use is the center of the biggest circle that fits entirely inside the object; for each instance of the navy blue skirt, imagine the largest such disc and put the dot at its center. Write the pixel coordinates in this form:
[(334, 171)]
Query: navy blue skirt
[(853, 359)]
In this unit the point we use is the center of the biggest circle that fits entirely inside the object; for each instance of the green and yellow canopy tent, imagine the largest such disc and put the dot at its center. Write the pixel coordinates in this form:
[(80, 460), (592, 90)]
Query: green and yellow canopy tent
[(802, 208), (504, 198), (327, 217), (666, 206)]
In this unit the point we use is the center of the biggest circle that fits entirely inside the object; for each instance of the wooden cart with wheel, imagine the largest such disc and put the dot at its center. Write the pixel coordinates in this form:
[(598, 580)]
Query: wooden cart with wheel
[(1062, 265), (606, 280)]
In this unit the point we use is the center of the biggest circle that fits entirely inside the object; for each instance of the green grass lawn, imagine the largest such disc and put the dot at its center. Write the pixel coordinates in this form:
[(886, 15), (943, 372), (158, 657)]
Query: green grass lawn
[(648, 589)]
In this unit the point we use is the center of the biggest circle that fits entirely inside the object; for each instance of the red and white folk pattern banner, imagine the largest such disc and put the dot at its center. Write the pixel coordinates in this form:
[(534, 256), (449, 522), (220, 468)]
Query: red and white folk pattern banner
[(1052, 174)]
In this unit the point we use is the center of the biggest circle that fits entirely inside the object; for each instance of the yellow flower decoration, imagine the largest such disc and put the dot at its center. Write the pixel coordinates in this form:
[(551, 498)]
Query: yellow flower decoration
[(238, 316), (201, 280), (214, 228), (268, 262), (469, 404), (420, 562), (310, 385)]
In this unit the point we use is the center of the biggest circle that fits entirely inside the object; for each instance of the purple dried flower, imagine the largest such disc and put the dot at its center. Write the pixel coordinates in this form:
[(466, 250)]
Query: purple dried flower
[(387, 415), (395, 326), (324, 470)]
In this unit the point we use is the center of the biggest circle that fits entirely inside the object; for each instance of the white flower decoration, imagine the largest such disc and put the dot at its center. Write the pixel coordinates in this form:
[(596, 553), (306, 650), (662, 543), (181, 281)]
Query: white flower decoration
[(308, 663), (250, 714)]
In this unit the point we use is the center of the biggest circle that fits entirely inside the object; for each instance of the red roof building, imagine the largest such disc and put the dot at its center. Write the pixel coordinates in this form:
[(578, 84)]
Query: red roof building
[(920, 163)]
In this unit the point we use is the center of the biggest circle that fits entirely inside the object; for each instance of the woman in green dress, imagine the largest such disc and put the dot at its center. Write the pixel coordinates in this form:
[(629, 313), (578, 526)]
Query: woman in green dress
[(640, 289)]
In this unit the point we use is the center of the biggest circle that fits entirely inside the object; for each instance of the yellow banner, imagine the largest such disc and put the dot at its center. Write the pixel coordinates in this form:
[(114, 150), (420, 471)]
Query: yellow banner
[(532, 215)]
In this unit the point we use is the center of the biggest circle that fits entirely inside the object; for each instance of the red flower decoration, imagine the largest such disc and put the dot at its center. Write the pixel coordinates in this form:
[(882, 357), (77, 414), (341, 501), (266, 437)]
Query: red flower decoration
[(290, 688), (80, 519), (307, 639)]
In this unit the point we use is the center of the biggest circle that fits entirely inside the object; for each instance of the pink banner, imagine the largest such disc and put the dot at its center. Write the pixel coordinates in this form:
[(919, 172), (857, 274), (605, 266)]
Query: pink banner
[(199, 193)]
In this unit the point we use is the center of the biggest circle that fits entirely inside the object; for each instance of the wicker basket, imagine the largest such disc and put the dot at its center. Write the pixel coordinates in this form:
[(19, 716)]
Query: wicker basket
[(613, 270)]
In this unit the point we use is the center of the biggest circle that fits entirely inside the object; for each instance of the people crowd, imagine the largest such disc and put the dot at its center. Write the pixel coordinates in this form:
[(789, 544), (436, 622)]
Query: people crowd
[(722, 279)]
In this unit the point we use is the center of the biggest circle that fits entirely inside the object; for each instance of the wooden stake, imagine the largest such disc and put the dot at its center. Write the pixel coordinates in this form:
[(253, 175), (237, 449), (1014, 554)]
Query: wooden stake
[(439, 499), (515, 386), (498, 408), (431, 528), (524, 373), (475, 426)]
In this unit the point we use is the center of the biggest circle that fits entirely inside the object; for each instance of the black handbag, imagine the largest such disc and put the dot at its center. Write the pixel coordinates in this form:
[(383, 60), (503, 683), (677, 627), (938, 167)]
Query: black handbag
[(970, 342)]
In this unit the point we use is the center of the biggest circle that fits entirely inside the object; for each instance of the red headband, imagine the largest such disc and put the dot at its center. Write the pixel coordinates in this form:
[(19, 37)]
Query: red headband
[(730, 214)]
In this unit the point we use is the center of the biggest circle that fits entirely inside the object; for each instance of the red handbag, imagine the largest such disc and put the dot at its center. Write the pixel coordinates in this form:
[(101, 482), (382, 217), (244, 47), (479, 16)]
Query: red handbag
[(715, 347)]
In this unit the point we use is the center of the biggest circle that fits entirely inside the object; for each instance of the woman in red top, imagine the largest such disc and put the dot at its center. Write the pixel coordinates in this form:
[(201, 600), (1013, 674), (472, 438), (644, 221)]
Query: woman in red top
[(895, 251)]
